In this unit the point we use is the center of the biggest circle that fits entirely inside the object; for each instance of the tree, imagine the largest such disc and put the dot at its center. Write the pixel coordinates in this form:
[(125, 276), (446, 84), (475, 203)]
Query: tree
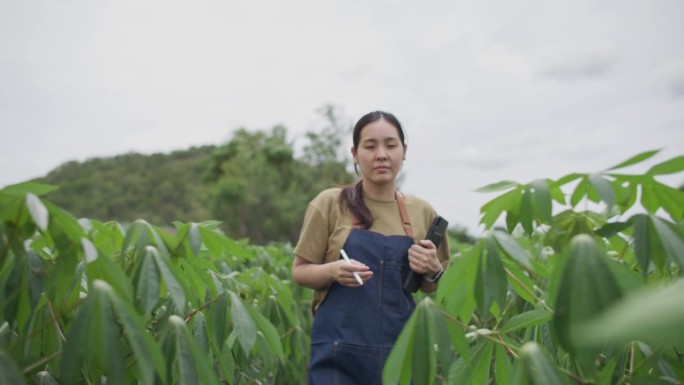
[(260, 190)]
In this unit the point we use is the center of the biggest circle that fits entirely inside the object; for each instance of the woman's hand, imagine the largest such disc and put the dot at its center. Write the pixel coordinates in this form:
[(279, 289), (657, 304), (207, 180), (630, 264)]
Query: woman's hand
[(423, 258), (343, 272), (319, 276)]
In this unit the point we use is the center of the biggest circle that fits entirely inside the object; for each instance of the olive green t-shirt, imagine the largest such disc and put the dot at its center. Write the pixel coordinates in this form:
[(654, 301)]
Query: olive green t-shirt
[(326, 228)]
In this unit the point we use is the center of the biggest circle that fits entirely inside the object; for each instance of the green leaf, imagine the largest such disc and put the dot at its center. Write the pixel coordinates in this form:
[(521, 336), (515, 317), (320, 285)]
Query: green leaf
[(480, 373), (195, 239), (643, 238), (36, 188), (397, 369), (147, 283), (604, 189), (542, 199), (424, 357), (498, 186), (526, 216), (672, 240), (652, 315), (11, 374), (491, 282), (243, 324), (526, 320), (649, 199), (146, 351), (535, 368), (671, 166), (492, 209), (269, 331), (587, 287), (503, 367), (89, 250), (635, 159), (172, 283), (38, 212), (520, 282), (568, 178), (512, 248), (580, 191)]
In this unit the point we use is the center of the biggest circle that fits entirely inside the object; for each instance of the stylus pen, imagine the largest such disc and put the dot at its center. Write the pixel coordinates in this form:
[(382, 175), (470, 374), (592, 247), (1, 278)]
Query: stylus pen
[(356, 275)]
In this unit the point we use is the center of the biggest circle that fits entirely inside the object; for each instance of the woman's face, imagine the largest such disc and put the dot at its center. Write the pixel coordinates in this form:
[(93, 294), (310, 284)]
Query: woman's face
[(380, 153)]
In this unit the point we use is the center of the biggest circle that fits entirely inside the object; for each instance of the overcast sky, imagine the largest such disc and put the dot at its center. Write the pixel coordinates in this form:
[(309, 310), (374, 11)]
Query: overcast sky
[(487, 90)]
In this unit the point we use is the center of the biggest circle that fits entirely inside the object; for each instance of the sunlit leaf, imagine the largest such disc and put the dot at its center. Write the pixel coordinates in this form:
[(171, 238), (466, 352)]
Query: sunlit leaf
[(195, 239), (89, 250), (38, 211)]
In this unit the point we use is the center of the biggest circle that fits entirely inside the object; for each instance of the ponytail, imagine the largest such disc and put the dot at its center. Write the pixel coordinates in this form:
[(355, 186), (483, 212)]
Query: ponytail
[(351, 199)]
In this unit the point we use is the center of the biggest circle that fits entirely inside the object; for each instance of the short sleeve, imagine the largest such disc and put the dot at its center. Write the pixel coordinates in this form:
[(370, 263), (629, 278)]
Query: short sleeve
[(313, 239)]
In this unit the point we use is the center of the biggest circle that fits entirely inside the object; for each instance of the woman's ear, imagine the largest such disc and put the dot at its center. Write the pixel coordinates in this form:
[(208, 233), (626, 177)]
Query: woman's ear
[(405, 148), (354, 155)]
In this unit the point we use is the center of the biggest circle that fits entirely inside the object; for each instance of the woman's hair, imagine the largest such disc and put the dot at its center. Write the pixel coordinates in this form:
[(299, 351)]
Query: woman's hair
[(351, 196)]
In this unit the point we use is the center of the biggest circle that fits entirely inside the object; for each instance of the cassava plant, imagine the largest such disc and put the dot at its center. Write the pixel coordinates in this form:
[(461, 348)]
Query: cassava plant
[(577, 281)]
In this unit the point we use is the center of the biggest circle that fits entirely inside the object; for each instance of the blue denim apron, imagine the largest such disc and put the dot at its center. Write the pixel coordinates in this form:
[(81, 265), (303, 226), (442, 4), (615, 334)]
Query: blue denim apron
[(355, 327)]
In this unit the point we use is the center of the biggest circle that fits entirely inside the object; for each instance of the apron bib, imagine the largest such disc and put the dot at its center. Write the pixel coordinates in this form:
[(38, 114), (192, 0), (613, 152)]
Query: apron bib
[(355, 328)]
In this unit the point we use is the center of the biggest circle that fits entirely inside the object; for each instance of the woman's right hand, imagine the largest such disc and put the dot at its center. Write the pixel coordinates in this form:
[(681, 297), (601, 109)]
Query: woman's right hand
[(342, 272)]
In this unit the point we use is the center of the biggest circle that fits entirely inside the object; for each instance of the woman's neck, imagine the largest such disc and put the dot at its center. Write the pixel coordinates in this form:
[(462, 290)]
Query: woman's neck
[(384, 192)]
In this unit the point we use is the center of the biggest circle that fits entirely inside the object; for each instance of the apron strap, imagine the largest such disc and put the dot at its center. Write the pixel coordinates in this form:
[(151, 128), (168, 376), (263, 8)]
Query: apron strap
[(402, 211)]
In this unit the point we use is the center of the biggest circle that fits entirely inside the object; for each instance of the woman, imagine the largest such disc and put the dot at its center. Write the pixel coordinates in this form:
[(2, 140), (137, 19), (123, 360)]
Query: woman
[(360, 305)]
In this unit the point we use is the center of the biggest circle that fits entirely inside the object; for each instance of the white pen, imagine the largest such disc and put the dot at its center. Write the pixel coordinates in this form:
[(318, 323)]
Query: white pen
[(346, 258)]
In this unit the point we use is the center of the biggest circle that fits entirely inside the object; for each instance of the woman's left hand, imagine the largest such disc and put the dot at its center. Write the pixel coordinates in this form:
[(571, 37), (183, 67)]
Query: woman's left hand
[(423, 258)]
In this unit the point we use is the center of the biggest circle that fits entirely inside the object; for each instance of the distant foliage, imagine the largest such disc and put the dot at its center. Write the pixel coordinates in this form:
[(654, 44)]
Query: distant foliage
[(243, 182), (158, 187)]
